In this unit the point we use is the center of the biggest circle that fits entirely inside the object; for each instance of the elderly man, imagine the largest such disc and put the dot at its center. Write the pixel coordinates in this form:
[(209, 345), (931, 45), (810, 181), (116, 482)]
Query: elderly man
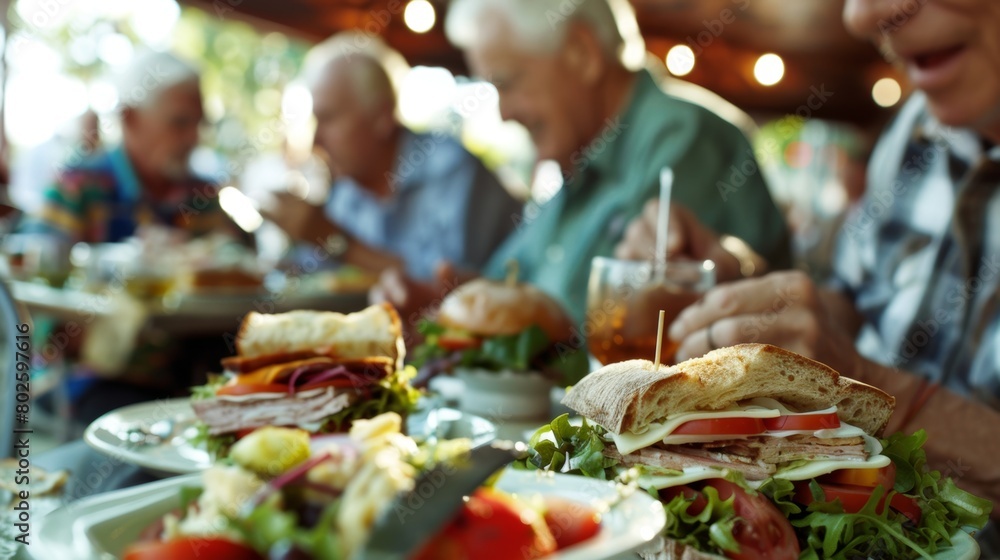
[(145, 180), (110, 196), (912, 307), (559, 73), (399, 198)]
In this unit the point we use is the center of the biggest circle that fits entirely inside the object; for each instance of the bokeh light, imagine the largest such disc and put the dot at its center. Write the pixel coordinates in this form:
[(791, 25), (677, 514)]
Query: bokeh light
[(419, 16), (769, 69), (887, 92), (680, 60)]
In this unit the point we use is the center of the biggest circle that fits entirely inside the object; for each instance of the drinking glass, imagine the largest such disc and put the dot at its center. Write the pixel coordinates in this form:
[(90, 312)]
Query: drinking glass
[(623, 303)]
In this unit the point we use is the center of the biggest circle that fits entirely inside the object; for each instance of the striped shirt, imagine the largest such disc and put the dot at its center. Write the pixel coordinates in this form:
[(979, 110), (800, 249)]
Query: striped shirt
[(101, 201), (920, 255)]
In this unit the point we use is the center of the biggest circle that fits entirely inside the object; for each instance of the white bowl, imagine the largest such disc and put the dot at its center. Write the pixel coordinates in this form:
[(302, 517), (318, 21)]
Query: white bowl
[(505, 395)]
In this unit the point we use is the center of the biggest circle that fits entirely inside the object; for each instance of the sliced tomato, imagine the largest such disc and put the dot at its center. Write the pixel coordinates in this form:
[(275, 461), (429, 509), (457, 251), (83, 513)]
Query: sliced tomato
[(491, 526), (570, 522), (236, 390), (853, 498), (191, 548), (454, 343), (828, 421), (762, 532), (906, 505), (254, 388), (721, 426), (240, 434), (697, 499), (870, 478)]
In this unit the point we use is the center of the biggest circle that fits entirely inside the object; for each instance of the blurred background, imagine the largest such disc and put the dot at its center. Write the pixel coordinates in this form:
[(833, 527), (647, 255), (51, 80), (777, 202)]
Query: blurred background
[(811, 98), (815, 96)]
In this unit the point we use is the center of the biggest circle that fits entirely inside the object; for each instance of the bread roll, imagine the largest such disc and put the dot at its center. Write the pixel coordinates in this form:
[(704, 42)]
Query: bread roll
[(626, 396), (491, 308)]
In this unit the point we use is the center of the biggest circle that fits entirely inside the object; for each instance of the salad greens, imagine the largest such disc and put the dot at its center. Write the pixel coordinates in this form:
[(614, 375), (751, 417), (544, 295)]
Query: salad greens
[(393, 393), (711, 530), (875, 531), (528, 350), (825, 530), (563, 447)]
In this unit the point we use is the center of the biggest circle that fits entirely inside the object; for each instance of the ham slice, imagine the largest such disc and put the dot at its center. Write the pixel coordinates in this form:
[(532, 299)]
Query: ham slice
[(229, 414), (756, 457), (679, 457), (783, 450)]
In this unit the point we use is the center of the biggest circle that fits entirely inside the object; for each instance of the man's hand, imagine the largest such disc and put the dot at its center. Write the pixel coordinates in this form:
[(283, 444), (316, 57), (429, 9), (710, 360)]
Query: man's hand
[(686, 236), (785, 309), (299, 219)]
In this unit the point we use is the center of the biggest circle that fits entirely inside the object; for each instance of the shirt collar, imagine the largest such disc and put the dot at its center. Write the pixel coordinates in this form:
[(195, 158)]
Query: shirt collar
[(124, 172), (962, 142)]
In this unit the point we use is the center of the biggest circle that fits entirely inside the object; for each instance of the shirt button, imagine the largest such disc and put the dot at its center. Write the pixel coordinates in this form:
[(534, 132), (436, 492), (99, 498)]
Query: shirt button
[(554, 253)]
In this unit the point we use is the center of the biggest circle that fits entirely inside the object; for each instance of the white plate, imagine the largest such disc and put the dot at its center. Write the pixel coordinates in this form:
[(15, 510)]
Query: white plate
[(175, 454), (102, 526)]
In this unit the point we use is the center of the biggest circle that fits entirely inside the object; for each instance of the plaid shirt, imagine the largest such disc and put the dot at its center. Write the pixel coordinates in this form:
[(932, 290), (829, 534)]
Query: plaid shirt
[(920, 256)]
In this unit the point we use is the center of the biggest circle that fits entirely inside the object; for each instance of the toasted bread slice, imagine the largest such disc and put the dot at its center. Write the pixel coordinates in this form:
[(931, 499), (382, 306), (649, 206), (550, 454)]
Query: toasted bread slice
[(373, 332), (626, 396)]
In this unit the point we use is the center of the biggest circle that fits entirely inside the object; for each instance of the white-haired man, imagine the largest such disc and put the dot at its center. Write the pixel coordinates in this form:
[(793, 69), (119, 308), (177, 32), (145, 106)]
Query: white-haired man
[(146, 179), (557, 67), (399, 198)]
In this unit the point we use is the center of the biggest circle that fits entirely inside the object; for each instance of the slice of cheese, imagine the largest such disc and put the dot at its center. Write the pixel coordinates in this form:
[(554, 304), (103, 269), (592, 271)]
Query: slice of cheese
[(689, 475), (657, 431)]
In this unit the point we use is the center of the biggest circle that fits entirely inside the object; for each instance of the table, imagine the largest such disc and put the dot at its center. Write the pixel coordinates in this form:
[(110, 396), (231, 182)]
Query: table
[(188, 314)]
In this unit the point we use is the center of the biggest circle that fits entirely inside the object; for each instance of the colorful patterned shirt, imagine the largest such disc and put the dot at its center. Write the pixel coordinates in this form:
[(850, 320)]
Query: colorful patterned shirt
[(101, 201)]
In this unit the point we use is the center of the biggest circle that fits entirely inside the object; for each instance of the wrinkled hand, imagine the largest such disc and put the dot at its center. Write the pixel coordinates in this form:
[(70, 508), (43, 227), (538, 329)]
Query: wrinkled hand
[(686, 236), (414, 299), (299, 219), (785, 309)]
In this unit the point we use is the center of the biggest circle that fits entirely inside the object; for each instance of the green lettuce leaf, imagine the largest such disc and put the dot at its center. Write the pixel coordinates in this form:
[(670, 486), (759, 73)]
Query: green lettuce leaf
[(529, 350), (710, 530), (562, 447)]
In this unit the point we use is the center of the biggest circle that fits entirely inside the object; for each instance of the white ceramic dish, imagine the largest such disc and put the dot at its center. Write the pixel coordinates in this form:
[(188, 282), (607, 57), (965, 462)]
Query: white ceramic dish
[(173, 453), (102, 526)]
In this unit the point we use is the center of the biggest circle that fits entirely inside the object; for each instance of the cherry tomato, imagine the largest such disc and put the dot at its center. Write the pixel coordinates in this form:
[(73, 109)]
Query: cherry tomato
[(491, 526), (853, 498), (570, 522), (826, 421), (885, 477), (191, 548), (721, 426), (762, 532)]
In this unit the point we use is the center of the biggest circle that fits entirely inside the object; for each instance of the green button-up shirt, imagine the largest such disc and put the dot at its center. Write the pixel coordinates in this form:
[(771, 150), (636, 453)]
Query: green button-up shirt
[(715, 175)]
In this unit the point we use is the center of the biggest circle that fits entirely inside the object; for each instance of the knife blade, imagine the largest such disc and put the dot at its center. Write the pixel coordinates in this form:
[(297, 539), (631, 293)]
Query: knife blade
[(417, 515)]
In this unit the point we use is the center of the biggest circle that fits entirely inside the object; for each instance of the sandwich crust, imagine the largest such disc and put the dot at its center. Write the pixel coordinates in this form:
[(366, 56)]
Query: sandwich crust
[(373, 332), (628, 395), (490, 308)]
